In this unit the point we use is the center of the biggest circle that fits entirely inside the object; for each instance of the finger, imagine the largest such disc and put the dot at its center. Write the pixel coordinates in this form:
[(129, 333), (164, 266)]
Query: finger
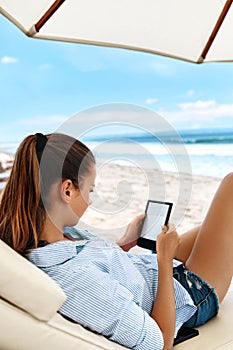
[(171, 228), (164, 228), (139, 216)]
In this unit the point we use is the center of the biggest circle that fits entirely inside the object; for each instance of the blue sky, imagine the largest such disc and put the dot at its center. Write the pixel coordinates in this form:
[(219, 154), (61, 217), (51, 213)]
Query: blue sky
[(43, 83)]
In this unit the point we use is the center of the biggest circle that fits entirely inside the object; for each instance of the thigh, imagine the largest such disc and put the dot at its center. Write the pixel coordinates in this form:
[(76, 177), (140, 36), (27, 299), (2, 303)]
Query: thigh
[(185, 247), (212, 254)]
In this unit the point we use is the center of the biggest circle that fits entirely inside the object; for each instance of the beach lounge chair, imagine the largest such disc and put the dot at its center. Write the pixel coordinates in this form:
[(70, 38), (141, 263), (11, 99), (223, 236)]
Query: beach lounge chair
[(29, 301)]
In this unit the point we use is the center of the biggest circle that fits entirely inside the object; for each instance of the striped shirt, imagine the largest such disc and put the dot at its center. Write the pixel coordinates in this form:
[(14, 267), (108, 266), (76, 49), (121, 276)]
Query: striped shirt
[(109, 291)]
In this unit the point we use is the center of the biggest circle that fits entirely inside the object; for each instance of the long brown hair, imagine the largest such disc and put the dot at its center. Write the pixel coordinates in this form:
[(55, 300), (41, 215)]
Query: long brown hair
[(35, 170)]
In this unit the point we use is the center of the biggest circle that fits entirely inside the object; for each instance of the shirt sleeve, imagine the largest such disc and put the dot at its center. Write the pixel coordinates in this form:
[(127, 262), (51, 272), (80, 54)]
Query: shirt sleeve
[(102, 304)]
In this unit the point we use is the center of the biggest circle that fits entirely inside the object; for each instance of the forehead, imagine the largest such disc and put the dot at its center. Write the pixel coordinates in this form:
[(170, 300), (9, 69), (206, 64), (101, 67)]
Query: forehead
[(91, 175)]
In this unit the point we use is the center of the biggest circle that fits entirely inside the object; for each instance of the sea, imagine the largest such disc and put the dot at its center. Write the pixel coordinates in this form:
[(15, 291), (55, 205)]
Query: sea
[(207, 152)]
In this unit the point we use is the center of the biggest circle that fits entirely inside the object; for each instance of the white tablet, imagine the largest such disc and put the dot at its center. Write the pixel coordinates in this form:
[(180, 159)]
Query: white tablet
[(157, 214)]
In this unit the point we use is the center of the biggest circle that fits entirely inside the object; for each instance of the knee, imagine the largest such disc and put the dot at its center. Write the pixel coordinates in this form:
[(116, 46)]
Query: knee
[(228, 178)]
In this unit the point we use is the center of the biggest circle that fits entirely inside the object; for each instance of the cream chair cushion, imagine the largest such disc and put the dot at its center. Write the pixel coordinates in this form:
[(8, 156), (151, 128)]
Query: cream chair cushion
[(24, 285), (21, 331)]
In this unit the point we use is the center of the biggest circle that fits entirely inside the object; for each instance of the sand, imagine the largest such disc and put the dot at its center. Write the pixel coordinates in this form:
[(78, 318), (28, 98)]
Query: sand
[(122, 192)]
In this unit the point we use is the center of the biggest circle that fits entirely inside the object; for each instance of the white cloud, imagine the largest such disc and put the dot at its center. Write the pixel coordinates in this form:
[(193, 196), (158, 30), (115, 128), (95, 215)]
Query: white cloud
[(151, 101), (8, 59), (198, 105), (207, 113)]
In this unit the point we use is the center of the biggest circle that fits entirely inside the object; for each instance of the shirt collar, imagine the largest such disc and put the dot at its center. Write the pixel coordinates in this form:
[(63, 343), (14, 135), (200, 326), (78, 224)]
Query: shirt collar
[(61, 251)]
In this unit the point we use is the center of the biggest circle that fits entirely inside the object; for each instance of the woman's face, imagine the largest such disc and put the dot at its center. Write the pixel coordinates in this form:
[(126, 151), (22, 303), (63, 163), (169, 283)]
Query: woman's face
[(80, 199)]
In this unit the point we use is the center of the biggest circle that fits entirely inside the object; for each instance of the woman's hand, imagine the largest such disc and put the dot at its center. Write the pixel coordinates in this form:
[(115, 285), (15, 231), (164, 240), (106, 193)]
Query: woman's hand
[(129, 239), (167, 243)]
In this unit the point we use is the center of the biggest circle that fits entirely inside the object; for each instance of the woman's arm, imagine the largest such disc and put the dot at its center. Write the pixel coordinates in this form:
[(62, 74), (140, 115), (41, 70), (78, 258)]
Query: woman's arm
[(164, 309)]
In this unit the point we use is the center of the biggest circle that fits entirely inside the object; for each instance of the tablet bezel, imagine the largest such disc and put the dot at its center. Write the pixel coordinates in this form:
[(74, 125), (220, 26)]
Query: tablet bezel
[(148, 243)]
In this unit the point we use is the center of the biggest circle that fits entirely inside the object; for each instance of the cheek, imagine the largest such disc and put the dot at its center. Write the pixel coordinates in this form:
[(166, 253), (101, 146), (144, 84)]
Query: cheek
[(79, 206), (83, 204)]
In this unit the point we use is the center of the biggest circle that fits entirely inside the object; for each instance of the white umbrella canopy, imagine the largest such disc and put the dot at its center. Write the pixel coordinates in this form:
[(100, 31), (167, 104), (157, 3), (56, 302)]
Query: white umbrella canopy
[(192, 30)]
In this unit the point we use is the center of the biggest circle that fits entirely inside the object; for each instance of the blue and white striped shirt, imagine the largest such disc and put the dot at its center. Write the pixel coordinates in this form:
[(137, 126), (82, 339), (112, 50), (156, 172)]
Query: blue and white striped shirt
[(108, 290)]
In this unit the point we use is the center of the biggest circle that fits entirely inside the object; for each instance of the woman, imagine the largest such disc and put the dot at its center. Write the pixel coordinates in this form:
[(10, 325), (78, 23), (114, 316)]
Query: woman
[(139, 301)]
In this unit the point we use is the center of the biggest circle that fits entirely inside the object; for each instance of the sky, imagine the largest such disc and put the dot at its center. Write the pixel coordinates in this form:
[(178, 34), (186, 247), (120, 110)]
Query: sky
[(44, 83)]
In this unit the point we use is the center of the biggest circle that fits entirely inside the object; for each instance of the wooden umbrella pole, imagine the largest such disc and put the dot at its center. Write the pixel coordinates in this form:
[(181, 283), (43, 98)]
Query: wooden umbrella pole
[(216, 29), (55, 6)]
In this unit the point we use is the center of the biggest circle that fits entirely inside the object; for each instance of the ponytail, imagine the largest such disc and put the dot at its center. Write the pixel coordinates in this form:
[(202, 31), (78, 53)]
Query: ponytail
[(22, 213), (22, 210)]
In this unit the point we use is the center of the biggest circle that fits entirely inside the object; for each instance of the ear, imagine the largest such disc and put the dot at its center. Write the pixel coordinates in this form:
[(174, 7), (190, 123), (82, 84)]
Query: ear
[(66, 190)]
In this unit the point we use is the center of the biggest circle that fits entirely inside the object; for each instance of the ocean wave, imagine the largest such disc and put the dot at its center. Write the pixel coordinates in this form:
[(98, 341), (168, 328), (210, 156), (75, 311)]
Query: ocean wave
[(186, 137)]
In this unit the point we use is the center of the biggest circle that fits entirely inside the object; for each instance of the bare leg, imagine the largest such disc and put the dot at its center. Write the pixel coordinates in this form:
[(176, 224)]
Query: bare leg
[(211, 256), (187, 240)]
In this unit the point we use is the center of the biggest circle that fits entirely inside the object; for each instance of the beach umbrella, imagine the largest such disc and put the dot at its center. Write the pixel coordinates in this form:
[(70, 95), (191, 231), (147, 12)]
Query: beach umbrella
[(192, 30)]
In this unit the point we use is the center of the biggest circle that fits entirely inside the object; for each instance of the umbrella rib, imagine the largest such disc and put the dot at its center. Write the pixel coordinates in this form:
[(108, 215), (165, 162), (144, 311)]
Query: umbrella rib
[(53, 8), (215, 30)]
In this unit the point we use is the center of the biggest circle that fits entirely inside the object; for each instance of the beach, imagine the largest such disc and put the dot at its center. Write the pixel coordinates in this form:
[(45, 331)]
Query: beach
[(122, 192), (6, 162)]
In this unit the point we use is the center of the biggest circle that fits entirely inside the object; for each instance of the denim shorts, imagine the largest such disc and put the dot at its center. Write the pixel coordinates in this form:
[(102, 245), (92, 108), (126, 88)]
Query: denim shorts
[(202, 294)]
